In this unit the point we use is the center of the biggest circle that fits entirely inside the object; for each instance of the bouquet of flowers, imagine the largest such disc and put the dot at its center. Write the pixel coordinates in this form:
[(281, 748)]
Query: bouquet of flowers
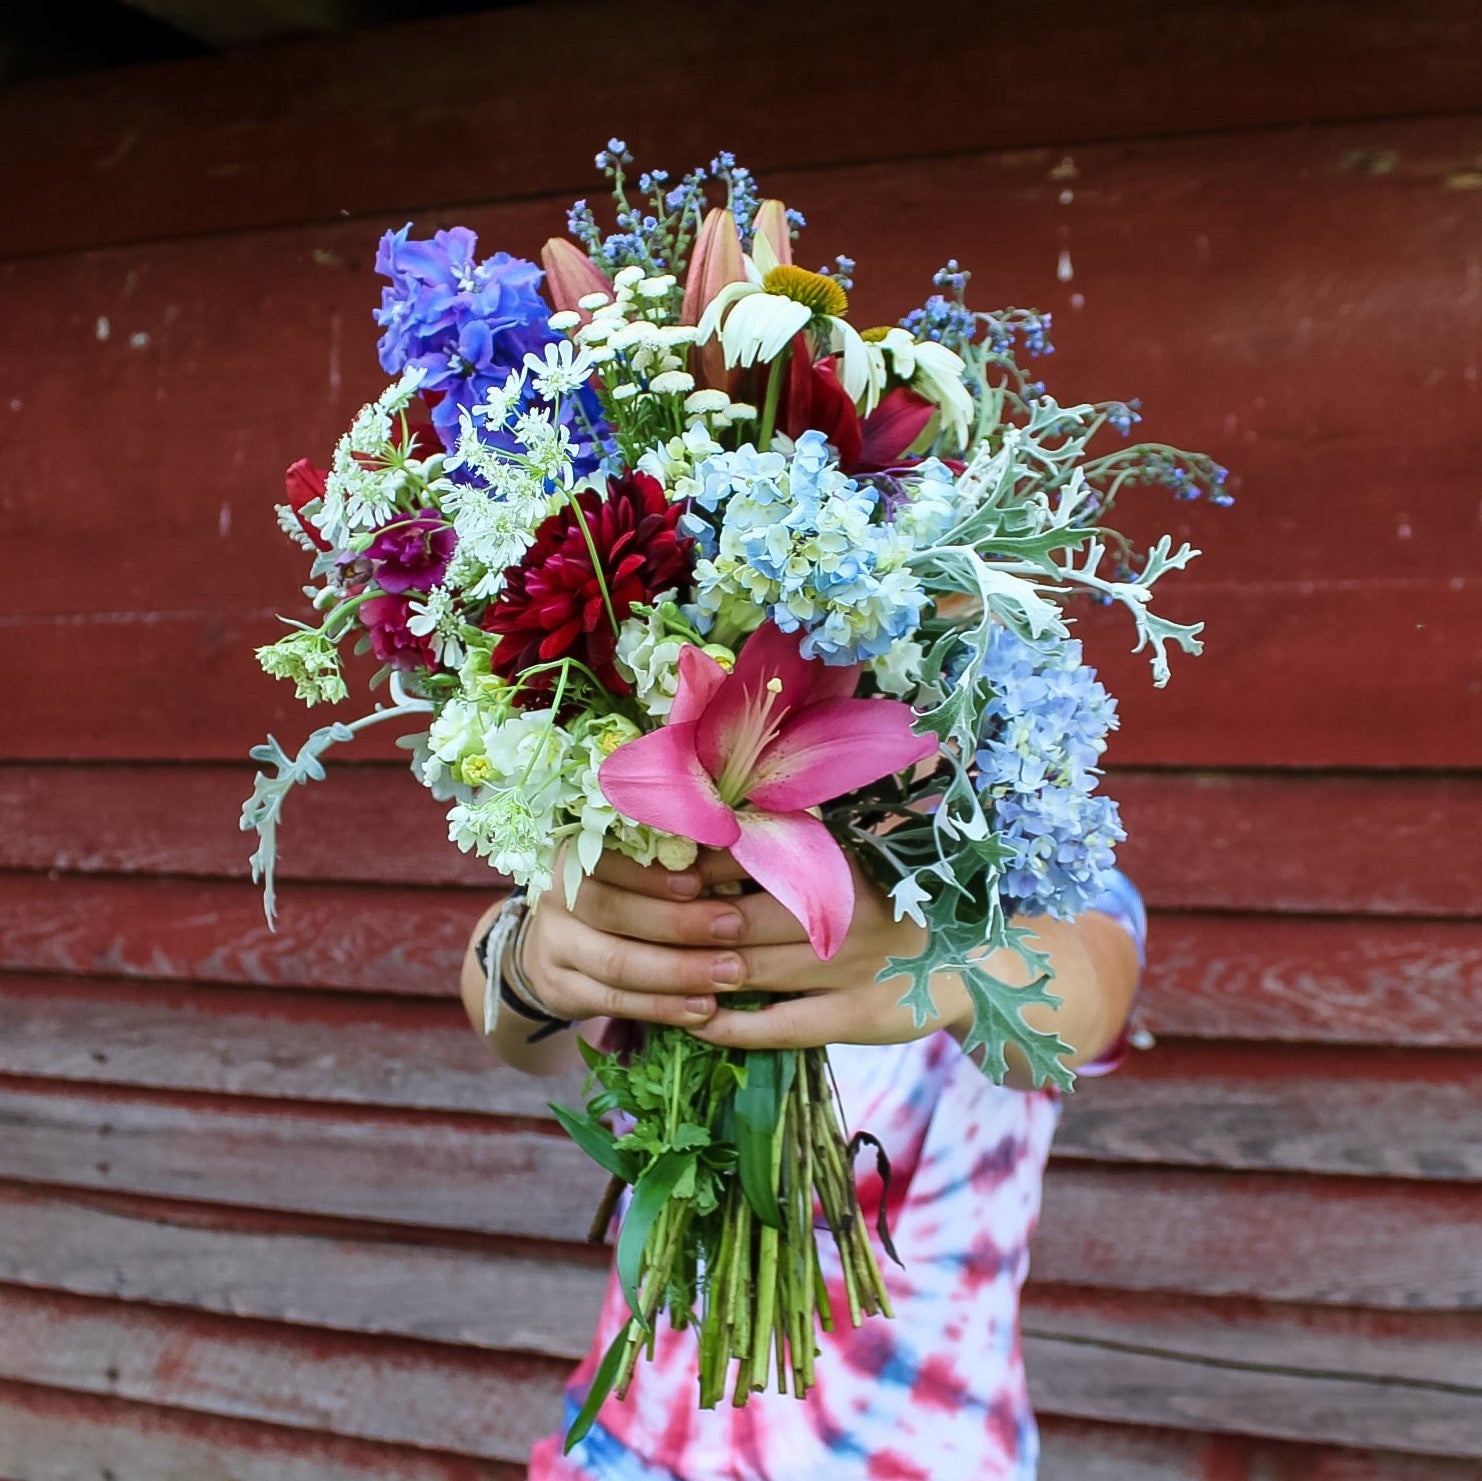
[(678, 556)]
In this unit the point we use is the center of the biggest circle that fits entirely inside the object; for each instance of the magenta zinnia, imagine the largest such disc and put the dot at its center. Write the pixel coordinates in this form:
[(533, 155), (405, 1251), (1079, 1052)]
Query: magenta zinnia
[(744, 755), (575, 584)]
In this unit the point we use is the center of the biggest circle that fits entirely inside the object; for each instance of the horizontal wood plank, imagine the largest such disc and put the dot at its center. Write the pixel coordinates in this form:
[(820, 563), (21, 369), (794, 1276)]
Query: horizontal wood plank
[(1368, 1112), (1213, 1361), (346, 1279), (192, 148), (392, 1392), (1330, 1241), (315, 1046), (1209, 976), (1335, 1241), (434, 1172), (51, 1435), (1241, 841), (1078, 1450), (1376, 1113)]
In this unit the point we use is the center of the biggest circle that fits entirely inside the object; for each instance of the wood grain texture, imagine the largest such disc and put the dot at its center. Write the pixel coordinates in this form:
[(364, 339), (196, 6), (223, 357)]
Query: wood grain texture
[(1329, 1241), (1215, 1362), (1362, 981), (435, 1172), (1335, 643), (391, 1392), (1229, 841), (152, 151), (1369, 1112), (1075, 1450), (343, 1279), (281, 1044), (49, 1435), (1335, 1241)]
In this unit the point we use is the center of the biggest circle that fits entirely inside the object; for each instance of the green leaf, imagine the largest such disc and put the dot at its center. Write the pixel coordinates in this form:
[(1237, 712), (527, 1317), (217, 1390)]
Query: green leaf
[(602, 1382), (597, 1142), (758, 1109), (650, 1193)]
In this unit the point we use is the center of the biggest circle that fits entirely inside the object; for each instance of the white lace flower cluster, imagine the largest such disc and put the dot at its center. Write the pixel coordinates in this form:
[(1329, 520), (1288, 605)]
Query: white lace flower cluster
[(371, 475)]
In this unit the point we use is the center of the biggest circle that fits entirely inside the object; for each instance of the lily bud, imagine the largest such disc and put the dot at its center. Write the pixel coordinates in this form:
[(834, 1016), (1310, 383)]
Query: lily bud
[(571, 275), (716, 261), (773, 236)]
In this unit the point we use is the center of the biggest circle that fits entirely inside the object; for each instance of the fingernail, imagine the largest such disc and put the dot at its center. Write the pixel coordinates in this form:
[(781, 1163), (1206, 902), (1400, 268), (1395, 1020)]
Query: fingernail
[(684, 886), (726, 969), (726, 927), (699, 1007)]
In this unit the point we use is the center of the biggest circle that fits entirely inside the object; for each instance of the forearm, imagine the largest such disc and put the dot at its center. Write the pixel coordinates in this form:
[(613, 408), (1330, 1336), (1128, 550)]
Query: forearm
[(1096, 971)]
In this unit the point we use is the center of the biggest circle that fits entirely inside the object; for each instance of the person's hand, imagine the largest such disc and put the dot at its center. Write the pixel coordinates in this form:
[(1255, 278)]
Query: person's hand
[(641, 943), (839, 1001)]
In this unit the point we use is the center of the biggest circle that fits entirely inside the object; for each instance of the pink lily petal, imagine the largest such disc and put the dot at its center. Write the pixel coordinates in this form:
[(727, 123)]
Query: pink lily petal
[(769, 653), (570, 275), (834, 747), (716, 261), (797, 860), (699, 677), (771, 223), (657, 779)]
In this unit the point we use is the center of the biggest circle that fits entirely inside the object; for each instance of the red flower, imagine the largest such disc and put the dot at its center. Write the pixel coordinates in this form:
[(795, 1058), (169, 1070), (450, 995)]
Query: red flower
[(302, 483), (815, 400), (552, 605)]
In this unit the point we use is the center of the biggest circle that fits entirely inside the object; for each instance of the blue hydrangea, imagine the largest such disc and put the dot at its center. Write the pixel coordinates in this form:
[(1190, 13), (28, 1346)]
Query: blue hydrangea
[(1043, 734), (806, 545), (466, 323)]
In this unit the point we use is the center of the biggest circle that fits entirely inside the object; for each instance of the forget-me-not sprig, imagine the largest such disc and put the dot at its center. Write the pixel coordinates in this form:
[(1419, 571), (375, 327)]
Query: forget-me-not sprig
[(806, 544), (465, 323), (1043, 733)]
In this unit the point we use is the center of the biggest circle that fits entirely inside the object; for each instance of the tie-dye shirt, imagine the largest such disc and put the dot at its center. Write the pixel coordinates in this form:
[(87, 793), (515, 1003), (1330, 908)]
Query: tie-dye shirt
[(937, 1392)]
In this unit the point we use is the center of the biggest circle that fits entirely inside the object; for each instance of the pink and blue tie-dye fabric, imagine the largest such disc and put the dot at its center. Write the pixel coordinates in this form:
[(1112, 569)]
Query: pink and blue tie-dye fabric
[(935, 1394)]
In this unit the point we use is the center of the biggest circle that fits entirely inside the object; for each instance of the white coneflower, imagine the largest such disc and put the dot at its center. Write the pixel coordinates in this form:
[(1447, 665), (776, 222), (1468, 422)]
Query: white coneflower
[(928, 368), (756, 319)]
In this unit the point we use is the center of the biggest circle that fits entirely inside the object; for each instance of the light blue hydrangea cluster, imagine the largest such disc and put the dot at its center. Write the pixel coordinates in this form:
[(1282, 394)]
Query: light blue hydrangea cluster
[(1044, 731), (810, 547)]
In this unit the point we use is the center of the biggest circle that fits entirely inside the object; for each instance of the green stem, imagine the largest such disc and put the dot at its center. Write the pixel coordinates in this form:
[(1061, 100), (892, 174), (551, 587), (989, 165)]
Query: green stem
[(775, 375)]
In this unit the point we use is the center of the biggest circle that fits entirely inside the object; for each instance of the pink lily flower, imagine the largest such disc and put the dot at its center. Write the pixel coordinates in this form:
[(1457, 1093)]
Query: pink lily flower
[(743, 755)]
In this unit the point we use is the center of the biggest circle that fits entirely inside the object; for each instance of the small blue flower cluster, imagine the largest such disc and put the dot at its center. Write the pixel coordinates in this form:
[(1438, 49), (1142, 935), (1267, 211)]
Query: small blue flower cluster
[(842, 272), (653, 233), (1044, 730), (466, 323), (806, 545)]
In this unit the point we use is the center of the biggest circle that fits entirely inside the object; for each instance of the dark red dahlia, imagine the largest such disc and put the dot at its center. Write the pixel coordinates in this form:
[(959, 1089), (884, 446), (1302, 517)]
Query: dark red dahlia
[(552, 606)]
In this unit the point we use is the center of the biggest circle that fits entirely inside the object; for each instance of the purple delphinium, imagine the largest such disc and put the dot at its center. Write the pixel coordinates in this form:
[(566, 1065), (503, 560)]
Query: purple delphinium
[(1044, 732), (412, 553), (466, 323)]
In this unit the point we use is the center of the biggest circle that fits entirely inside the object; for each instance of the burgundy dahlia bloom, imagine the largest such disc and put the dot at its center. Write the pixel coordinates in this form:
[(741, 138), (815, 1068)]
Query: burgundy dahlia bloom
[(552, 605), (412, 552)]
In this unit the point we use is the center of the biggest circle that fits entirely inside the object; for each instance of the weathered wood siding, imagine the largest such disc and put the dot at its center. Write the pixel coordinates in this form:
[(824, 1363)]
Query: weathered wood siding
[(267, 1209)]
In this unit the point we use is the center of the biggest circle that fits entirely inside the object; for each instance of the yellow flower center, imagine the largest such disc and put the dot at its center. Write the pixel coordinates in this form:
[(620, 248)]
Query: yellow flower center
[(476, 769), (821, 294), (876, 335)]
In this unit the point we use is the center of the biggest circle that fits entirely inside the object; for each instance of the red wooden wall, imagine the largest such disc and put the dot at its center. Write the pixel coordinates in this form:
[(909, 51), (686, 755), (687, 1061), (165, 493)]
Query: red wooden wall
[(267, 1209)]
